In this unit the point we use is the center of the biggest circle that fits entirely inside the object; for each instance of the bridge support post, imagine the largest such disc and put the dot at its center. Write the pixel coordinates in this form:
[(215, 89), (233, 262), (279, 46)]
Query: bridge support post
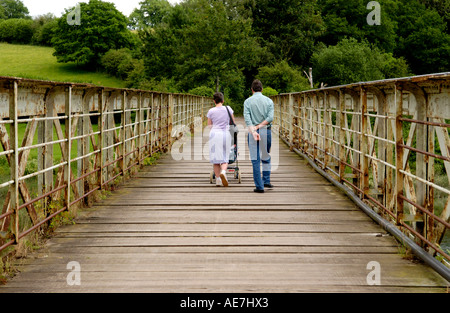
[(14, 163), (399, 181), (342, 118), (292, 122), (364, 144), (68, 145)]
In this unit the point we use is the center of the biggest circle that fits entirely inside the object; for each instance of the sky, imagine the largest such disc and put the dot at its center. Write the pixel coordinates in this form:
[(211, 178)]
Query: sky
[(39, 7)]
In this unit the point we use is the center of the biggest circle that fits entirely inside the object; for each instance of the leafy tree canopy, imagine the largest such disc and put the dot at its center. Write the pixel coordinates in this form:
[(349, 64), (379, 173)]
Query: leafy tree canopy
[(102, 28), (149, 14), (13, 9)]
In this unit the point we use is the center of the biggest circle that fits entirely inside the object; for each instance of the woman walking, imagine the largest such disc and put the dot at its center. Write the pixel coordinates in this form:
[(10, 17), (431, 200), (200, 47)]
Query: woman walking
[(219, 119)]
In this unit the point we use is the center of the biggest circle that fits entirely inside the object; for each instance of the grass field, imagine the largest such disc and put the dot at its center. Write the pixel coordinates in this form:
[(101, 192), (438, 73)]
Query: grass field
[(39, 63)]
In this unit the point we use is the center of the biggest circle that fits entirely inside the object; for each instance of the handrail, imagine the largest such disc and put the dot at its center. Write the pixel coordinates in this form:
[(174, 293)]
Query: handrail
[(101, 134), (387, 141)]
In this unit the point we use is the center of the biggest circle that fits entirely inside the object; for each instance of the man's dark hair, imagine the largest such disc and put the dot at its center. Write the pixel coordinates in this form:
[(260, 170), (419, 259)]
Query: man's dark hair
[(257, 85), (218, 97)]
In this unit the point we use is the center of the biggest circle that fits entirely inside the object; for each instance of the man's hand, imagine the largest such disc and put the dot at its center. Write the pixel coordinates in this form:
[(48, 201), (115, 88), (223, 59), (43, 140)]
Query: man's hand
[(256, 136)]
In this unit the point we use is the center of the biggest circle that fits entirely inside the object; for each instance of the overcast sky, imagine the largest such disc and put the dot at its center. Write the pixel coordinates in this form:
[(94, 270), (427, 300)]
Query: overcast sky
[(39, 7)]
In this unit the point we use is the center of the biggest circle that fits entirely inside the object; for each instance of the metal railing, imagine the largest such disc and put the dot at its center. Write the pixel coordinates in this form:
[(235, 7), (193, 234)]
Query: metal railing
[(78, 146), (387, 141)]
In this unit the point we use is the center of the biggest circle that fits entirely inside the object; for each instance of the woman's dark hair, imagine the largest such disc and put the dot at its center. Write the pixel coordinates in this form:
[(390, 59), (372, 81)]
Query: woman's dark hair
[(257, 85), (218, 97)]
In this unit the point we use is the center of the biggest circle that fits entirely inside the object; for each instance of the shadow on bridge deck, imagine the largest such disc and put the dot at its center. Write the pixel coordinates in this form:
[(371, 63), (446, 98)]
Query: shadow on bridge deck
[(170, 230)]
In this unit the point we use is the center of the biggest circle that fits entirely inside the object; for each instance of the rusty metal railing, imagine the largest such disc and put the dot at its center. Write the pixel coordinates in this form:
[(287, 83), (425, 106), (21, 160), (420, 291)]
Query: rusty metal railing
[(81, 138), (387, 141)]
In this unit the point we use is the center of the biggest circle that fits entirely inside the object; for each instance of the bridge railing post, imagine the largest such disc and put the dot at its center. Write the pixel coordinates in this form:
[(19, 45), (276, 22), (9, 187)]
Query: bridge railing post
[(14, 160), (68, 146), (399, 181), (364, 144)]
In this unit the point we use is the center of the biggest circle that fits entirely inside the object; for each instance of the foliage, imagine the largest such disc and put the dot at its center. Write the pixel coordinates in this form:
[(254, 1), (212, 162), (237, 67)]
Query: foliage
[(102, 28), (202, 91), (283, 77), (351, 61), (224, 44), (201, 43), (44, 28), (348, 18), (269, 92), (149, 14), (424, 40), (16, 30), (13, 9), (288, 28)]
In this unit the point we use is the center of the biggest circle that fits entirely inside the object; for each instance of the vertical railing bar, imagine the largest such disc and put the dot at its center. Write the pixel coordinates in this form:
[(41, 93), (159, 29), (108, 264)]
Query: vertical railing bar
[(140, 127), (398, 98), (364, 143), (124, 133), (14, 138), (100, 125), (68, 146), (341, 136)]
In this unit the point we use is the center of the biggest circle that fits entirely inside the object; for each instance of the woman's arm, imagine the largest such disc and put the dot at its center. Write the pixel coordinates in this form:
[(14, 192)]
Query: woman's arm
[(210, 124), (232, 117)]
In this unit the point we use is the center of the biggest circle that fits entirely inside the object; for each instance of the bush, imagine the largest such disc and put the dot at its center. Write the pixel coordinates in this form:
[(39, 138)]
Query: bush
[(351, 61), (269, 92), (115, 62), (44, 30), (284, 78), (16, 31), (202, 91)]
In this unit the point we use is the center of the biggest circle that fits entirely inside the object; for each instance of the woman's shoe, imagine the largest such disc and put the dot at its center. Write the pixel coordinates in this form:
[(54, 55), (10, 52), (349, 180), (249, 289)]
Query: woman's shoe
[(223, 176), (218, 182)]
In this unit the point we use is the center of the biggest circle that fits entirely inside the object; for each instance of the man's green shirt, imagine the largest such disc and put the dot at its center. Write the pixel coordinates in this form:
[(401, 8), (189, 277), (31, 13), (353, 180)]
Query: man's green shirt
[(257, 109)]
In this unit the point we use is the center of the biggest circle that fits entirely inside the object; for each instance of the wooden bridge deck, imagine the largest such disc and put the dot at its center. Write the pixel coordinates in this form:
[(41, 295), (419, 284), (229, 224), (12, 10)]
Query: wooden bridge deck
[(170, 230)]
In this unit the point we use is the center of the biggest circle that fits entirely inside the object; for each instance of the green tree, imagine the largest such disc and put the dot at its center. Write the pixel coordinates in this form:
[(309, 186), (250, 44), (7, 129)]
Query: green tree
[(16, 30), (44, 29), (351, 61), (149, 14), (202, 43), (442, 7), (13, 9), (102, 28), (2, 13), (348, 18), (423, 41), (288, 28), (283, 78)]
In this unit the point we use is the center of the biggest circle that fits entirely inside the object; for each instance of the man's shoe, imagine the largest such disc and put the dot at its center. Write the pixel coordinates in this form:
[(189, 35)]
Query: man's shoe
[(268, 185), (258, 190)]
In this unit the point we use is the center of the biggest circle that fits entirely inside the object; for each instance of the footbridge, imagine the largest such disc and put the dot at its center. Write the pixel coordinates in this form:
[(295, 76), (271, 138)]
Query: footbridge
[(360, 204)]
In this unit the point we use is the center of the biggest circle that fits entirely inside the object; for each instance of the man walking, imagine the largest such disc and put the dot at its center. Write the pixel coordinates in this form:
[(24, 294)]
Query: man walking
[(258, 115)]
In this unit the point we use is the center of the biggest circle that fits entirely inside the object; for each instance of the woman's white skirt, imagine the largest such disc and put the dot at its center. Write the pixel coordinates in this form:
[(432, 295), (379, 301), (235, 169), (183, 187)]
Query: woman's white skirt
[(219, 146)]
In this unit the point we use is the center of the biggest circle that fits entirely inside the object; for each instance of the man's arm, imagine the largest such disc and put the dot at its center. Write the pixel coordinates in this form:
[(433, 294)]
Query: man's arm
[(249, 122), (269, 117), (247, 115)]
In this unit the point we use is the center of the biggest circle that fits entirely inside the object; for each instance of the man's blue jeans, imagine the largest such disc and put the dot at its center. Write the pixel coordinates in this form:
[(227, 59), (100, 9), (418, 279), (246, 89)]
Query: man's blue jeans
[(260, 153)]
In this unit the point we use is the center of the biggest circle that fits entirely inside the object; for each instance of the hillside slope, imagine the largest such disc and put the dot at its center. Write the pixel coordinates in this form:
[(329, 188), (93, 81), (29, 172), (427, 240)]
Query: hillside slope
[(39, 63)]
